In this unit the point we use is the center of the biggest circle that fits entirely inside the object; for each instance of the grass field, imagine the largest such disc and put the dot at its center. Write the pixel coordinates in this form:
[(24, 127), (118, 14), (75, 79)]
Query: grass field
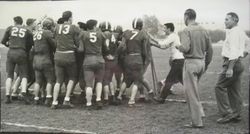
[(151, 118)]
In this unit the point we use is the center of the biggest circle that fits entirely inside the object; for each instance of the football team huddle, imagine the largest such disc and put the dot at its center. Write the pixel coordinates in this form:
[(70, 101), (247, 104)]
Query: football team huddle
[(49, 55)]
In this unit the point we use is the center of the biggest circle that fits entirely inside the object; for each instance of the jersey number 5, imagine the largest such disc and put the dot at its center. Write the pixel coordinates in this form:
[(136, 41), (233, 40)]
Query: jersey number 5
[(92, 37), (63, 29), (18, 32)]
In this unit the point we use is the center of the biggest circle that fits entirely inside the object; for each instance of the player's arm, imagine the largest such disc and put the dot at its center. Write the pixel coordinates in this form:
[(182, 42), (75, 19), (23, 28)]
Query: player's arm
[(145, 50), (166, 43), (122, 46), (105, 47), (81, 41), (6, 37), (209, 51), (30, 41), (103, 41), (185, 42), (51, 41), (76, 35)]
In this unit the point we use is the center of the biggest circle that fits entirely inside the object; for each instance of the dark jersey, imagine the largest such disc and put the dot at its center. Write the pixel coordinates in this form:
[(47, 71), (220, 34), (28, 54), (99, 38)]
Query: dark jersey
[(66, 36), (44, 43), (18, 37), (111, 46), (136, 42), (93, 42)]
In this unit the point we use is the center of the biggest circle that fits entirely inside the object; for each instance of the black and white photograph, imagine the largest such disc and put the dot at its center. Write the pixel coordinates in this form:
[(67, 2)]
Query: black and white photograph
[(125, 66)]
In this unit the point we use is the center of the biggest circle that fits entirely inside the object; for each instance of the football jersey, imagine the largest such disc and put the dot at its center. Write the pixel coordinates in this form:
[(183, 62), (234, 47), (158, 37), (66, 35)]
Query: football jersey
[(43, 42), (93, 42), (110, 46), (18, 37), (66, 36), (136, 41)]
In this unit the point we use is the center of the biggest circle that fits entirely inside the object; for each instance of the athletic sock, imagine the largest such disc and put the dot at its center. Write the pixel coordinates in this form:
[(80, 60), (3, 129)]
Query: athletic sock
[(66, 99), (89, 94), (49, 96), (55, 103)]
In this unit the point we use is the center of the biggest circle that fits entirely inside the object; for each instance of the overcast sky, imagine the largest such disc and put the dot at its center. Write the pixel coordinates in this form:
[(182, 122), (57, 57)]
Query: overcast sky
[(123, 11)]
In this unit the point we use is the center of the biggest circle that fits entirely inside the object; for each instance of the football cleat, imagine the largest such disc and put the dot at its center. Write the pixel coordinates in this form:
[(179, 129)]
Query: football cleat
[(67, 104), (48, 102), (99, 105), (54, 106), (105, 102), (26, 98), (8, 101)]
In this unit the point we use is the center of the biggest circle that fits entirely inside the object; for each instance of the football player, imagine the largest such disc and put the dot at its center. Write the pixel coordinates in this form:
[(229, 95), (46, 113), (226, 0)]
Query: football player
[(30, 25), (93, 41), (111, 65), (135, 42), (120, 60), (44, 48), (19, 40), (67, 41)]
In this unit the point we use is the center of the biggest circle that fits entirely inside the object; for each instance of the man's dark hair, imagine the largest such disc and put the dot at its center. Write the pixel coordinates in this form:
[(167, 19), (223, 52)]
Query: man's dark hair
[(66, 15), (60, 21), (82, 25), (234, 16), (18, 20), (170, 25), (191, 14), (91, 23), (30, 21)]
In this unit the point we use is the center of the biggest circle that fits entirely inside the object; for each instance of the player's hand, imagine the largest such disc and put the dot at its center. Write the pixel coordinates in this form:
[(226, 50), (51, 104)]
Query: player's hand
[(229, 73)]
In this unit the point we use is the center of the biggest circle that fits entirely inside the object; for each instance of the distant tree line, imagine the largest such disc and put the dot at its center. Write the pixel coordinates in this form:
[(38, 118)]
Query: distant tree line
[(220, 35), (217, 35)]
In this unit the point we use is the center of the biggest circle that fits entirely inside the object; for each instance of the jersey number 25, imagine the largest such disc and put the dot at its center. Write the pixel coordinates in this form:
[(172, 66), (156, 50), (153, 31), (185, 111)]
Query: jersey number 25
[(18, 32)]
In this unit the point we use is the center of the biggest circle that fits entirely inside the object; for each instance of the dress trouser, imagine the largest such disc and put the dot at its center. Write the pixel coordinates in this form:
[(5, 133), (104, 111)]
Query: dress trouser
[(174, 76), (192, 72), (228, 90)]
